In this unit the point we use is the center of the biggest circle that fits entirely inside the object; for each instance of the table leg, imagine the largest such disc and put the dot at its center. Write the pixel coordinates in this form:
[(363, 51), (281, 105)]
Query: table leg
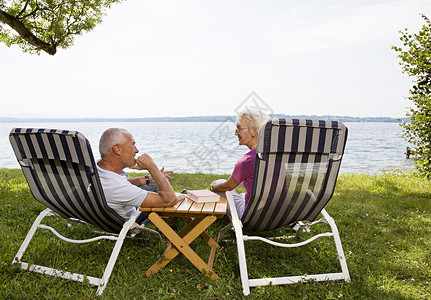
[(181, 244), (191, 223), (209, 240)]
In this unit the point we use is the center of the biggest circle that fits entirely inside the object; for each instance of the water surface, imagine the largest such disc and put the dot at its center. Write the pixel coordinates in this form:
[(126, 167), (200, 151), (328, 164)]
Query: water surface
[(212, 147)]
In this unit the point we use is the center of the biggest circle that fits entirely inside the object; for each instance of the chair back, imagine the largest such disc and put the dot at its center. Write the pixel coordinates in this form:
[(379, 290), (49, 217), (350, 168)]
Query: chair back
[(297, 164), (60, 169)]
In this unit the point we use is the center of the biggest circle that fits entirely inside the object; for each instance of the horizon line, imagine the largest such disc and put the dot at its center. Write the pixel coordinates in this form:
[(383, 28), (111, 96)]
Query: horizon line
[(199, 116)]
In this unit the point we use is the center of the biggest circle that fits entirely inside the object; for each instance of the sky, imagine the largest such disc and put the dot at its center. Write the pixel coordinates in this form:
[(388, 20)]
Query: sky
[(180, 58)]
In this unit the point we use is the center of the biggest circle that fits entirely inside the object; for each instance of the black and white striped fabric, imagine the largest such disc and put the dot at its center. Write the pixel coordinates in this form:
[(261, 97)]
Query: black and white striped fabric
[(295, 173), (60, 169)]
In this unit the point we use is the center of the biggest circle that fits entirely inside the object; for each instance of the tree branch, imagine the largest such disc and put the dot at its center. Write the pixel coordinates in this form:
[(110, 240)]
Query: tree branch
[(26, 34), (22, 10)]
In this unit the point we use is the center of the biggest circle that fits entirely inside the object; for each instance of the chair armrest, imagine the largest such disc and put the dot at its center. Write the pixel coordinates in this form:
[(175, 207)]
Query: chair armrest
[(232, 210)]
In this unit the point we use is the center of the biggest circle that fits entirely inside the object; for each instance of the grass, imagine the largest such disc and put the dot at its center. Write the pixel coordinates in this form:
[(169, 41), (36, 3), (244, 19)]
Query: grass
[(384, 221)]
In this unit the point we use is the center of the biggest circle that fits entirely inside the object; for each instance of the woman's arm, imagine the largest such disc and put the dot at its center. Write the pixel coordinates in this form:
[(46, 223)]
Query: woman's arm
[(228, 185)]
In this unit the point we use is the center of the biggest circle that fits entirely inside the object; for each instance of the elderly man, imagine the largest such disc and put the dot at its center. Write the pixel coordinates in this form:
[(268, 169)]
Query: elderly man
[(117, 149)]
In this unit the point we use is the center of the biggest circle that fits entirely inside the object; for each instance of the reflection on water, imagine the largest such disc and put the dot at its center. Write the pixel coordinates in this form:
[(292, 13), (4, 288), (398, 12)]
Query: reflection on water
[(212, 147)]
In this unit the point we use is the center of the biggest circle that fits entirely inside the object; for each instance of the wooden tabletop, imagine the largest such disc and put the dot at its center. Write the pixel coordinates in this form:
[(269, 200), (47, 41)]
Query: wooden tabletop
[(189, 207)]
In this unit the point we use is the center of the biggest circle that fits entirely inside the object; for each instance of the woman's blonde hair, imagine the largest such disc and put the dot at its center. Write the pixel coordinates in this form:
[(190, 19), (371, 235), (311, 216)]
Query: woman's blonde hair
[(253, 118)]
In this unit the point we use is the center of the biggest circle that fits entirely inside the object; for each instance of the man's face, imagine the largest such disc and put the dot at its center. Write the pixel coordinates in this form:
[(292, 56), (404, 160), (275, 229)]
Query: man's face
[(128, 151)]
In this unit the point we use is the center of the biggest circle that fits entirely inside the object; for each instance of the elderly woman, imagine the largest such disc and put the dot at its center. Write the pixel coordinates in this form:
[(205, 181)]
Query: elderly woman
[(248, 123)]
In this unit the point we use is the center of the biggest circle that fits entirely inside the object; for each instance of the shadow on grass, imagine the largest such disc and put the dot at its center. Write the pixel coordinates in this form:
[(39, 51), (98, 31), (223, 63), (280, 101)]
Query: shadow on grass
[(385, 223)]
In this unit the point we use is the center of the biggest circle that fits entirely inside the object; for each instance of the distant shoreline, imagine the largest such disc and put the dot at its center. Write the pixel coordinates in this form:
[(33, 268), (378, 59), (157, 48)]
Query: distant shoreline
[(198, 119)]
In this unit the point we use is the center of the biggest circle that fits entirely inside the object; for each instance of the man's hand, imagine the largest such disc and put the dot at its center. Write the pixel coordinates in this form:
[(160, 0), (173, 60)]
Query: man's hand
[(144, 162), (166, 173), (166, 195)]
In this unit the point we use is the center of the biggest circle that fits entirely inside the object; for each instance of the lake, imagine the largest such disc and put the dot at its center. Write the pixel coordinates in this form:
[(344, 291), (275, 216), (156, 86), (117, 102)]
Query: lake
[(212, 147)]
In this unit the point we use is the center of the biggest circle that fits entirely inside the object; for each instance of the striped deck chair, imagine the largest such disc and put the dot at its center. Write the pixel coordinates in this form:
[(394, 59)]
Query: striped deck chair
[(61, 172), (297, 163)]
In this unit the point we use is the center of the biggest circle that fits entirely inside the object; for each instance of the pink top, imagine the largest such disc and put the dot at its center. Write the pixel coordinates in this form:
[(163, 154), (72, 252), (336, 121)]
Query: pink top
[(244, 171)]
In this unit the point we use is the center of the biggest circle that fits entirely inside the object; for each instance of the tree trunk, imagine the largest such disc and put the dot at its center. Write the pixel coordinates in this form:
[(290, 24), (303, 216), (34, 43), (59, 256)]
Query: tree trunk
[(26, 34)]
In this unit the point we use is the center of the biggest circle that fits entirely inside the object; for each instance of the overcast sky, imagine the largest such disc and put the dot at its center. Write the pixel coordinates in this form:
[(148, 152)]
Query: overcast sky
[(192, 58)]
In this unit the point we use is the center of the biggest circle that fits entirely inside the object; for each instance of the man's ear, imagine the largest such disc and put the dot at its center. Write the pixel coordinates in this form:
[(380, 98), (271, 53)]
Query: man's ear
[(116, 149)]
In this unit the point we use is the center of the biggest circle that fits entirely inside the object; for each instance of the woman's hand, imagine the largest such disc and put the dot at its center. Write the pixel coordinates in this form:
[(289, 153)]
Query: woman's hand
[(212, 185)]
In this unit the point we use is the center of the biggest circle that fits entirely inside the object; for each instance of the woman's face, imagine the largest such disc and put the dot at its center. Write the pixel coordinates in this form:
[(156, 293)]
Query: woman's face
[(245, 135)]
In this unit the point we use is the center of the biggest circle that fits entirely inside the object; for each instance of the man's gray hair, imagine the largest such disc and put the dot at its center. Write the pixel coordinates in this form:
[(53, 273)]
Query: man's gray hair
[(253, 118), (109, 138)]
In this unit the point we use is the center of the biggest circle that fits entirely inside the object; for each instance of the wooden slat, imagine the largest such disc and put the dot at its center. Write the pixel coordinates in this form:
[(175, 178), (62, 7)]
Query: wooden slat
[(208, 208), (184, 207), (170, 209), (196, 208), (145, 209), (188, 206), (220, 209), (174, 208), (158, 209)]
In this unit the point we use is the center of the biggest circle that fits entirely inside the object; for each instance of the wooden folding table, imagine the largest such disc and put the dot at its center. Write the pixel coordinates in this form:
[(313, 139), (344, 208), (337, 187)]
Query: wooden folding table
[(198, 216)]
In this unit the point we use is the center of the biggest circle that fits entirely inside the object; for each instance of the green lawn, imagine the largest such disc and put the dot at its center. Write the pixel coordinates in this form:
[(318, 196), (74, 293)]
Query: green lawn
[(384, 221)]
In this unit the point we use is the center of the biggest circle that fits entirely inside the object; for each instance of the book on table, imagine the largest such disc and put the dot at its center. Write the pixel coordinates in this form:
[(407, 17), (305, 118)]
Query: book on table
[(202, 196)]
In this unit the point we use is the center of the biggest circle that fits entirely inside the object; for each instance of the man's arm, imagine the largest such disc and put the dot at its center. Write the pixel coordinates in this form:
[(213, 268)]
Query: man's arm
[(138, 181), (166, 195)]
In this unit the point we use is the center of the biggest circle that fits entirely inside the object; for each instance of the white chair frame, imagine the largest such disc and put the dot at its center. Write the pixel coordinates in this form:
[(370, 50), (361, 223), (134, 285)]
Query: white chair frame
[(99, 282), (236, 225)]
